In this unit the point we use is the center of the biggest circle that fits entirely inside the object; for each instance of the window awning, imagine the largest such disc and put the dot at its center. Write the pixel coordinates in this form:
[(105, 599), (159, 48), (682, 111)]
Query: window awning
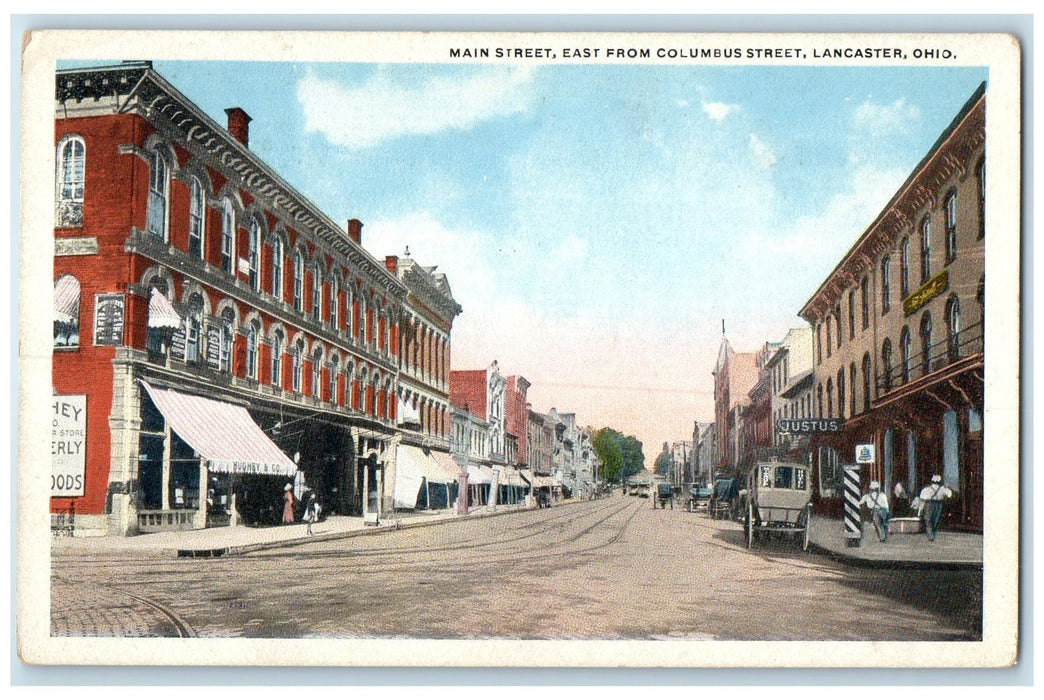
[(479, 475), (447, 464), (224, 435), (161, 312), (411, 467), (67, 300)]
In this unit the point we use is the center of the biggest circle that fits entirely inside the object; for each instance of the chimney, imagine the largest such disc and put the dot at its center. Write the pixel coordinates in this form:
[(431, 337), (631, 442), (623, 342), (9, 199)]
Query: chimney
[(239, 125), (392, 263), (355, 230)]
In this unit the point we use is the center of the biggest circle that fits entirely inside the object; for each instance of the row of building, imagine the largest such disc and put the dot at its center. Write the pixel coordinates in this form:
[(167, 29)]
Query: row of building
[(217, 337), (891, 354)]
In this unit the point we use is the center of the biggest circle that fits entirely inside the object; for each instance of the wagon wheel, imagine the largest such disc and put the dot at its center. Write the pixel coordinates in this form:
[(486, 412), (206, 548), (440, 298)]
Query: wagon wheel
[(808, 526), (750, 524)]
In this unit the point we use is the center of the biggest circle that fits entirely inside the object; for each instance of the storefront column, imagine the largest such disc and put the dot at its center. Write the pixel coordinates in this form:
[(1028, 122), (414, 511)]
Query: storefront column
[(165, 493), (204, 492)]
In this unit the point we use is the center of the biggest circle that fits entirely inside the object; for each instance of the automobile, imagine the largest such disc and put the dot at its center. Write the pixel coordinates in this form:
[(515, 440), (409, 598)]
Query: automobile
[(664, 494)]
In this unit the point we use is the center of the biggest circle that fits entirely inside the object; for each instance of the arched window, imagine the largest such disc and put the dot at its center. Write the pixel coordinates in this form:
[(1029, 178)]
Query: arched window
[(837, 322), (66, 312), (253, 333), (331, 379), (335, 305), (851, 314), (296, 362), (864, 292), (156, 207), (886, 285), (348, 307), (866, 382), (819, 400), (904, 354), (277, 267), (298, 281), (926, 249), (317, 294), (841, 393), (70, 160), (904, 268), (953, 327), (819, 343), (276, 375), (228, 236), (228, 334), (254, 254), (926, 343), (193, 325), (981, 175), (317, 373), (197, 209), (886, 363), (852, 389), (950, 209)]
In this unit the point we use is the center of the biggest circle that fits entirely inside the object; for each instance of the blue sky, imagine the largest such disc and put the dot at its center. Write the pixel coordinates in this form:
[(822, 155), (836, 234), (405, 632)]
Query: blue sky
[(598, 222)]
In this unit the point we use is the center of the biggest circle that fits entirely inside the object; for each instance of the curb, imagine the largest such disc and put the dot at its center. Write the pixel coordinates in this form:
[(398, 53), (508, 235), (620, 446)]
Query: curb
[(893, 563), (233, 550)]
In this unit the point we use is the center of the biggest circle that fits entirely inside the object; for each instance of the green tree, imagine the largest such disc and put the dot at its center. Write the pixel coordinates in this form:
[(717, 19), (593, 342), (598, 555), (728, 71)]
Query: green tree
[(608, 450), (633, 456)]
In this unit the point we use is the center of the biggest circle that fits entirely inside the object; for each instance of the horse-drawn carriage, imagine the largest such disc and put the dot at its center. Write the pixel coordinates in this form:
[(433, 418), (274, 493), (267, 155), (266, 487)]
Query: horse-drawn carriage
[(779, 501)]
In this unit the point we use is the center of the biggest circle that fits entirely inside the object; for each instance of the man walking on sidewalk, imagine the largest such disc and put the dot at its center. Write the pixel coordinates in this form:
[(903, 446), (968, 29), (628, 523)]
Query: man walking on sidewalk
[(932, 497), (877, 502)]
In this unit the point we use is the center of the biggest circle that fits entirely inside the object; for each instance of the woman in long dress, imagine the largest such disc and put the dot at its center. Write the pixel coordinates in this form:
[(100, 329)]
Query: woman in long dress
[(288, 505)]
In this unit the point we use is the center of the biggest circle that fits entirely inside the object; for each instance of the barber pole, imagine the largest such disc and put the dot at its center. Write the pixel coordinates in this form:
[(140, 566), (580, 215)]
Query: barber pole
[(853, 533)]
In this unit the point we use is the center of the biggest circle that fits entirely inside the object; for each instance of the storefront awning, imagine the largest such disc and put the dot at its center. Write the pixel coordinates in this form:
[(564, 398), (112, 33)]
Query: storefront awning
[(412, 466), (162, 313), (479, 475), (224, 435), (447, 464)]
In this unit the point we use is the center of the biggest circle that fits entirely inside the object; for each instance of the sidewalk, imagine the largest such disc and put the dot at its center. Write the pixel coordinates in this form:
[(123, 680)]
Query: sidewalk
[(950, 550), (218, 541)]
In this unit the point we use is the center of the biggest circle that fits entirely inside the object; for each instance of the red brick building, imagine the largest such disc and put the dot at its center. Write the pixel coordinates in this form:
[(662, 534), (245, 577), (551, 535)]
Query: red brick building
[(189, 273), (516, 417)]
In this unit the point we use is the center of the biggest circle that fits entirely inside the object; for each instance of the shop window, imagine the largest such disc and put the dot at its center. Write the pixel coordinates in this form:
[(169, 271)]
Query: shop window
[(66, 312), (183, 486), (950, 210), (886, 285), (71, 160), (150, 454), (830, 473), (156, 207), (904, 268), (228, 237), (197, 209), (926, 343), (277, 267), (904, 354), (926, 249), (953, 327)]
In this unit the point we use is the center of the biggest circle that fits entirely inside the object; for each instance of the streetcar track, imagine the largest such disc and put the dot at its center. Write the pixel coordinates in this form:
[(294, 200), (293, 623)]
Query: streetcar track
[(184, 629)]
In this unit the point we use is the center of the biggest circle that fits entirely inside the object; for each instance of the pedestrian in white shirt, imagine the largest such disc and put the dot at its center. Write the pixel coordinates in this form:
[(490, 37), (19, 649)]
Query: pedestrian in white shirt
[(932, 497), (877, 502)]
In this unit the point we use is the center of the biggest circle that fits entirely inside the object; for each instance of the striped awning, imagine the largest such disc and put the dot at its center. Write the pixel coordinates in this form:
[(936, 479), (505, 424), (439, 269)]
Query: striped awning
[(162, 313), (67, 300), (224, 435)]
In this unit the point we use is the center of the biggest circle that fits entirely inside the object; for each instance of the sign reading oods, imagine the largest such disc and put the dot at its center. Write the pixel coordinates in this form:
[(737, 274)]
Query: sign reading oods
[(68, 444)]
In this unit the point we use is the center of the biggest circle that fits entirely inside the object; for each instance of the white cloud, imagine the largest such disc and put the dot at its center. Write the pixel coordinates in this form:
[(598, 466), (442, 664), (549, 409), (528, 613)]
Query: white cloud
[(762, 152), (382, 109), (886, 119), (719, 110)]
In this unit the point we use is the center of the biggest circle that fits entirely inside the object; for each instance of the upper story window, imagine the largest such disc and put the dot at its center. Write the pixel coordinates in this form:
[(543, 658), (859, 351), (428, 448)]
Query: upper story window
[(331, 379), (926, 343), (298, 280), (335, 305), (837, 322), (193, 326), (317, 373), (348, 308), (886, 363), (197, 209), (841, 393), (904, 354), (886, 284), (864, 292), (156, 208), (296, 360), (950, 209), (228, 236), (866, 382), (254, 254), (228, 331), (276, 376), (66, 312), (828, 334), (70, 177), (981, 176), (277, 267), (852, 389), (926, 249), (819, 343), (253, 334), (953, 327), (317, 294), (851, 314), (904, 268)]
